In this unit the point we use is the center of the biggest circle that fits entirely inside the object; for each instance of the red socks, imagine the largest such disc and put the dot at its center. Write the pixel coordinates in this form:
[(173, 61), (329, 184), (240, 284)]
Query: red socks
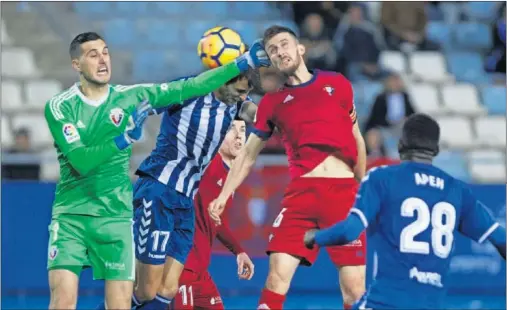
[(346, 307), (270, 300)]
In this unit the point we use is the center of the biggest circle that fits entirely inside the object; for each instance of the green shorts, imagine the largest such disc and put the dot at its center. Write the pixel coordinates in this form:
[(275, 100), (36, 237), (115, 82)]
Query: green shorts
[(105, 244)]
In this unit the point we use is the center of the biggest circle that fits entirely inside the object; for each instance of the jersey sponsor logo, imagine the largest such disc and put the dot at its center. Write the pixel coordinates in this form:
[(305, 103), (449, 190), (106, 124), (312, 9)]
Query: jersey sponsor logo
[(116, 116), (115, 266), (431, 278), (215, 300), (329, 90), (356, 243), (70, 133), (288, 98), (53, 252)]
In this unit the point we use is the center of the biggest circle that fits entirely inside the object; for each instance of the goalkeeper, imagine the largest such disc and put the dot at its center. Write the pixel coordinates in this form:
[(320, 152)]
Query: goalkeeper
[(93, 125)]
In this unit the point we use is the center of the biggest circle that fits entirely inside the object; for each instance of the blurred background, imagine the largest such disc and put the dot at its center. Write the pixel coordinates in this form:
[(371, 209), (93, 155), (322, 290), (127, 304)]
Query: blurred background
[(446, 59)]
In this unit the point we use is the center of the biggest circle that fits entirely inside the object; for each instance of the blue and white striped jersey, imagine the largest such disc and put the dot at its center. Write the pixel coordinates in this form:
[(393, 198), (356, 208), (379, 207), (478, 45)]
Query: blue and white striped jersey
[(190, 135)]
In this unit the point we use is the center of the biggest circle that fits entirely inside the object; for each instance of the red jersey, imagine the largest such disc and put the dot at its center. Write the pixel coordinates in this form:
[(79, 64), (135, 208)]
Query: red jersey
[(205, 229), (315, 120)]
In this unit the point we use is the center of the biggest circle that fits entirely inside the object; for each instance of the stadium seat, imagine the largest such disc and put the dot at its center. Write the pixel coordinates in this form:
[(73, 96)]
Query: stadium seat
[(6, 132), (195, 30), (488, 172), (159, 32), (455, 132), (247, 30), (454, 163), (37, 126), (6, 40), (251, 10), (171, 8), (494, 99), (150, 66), (425, 98), (393, 61), (481, 11), (440, 33), (91, 10), (434, 13), (467, 67), (451, 11), (38, 92), (215, 9), (11, 95), (472, 36), (486, 156), (429, 66), (18, 62), (462, 99), (132, 8), (118, 32), (491, 131)]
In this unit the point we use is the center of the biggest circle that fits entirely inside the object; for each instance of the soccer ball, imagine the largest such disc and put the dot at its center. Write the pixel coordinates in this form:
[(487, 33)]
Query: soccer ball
[(219, 46)]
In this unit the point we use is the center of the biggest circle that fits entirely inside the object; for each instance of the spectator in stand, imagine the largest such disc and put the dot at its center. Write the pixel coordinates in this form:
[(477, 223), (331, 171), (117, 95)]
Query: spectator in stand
[(319, 53), (28, 166), (389, 111), (331, 11), (404, 24), (495, 62), (359, 44)]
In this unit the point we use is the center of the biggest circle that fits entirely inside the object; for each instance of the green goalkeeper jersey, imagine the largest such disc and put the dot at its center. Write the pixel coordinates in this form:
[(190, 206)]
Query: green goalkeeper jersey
[(94, 173)]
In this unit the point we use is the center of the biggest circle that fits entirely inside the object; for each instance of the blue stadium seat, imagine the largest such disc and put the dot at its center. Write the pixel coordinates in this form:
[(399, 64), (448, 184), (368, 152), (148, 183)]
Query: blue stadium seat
[(481, 11), (472, 36), (216, 9), (195, 30), (131, 8), (434, 13), (453, 163), (451, 11), (247, 30), (171, 8), (494, 98), (467, 67), (252, 10), (118, 32), (150, 66), (440, 33), (92, 9), (161, 32)]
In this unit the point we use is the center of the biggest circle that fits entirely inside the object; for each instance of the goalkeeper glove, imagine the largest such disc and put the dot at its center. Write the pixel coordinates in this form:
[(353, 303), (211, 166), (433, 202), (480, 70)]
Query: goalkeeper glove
[(134, 129), (255, 57)]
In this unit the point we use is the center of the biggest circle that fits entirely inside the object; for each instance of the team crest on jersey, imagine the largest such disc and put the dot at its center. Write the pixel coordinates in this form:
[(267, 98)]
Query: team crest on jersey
[(116, 116), (329, 90), (53, 252), (70, 133)]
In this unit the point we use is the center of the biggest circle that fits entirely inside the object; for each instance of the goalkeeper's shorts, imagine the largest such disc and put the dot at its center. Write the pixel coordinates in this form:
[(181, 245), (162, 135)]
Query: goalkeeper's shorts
[(105, 244)]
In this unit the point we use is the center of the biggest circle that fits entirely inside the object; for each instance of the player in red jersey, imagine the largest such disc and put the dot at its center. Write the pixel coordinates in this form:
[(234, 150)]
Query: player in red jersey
[(315, 115), (197, 289)]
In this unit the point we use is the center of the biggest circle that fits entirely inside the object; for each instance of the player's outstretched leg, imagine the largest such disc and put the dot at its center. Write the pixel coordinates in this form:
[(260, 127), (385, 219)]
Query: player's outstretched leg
[(63, 285), (282, 267), (352, 284)]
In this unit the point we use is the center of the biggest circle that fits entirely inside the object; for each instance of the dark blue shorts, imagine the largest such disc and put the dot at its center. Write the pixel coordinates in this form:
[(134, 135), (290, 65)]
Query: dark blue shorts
[(163, 222)]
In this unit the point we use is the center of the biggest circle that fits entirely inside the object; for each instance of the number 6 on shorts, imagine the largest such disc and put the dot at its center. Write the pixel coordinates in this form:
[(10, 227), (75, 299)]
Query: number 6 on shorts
[(279, 218)]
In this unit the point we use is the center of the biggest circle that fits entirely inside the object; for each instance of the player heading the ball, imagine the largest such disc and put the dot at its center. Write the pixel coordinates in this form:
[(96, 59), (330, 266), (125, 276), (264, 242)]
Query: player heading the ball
[(94, 124), (412, 212)]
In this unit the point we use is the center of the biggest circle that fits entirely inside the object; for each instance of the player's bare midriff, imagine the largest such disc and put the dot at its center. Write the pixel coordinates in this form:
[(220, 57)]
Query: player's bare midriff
[(331, 167)]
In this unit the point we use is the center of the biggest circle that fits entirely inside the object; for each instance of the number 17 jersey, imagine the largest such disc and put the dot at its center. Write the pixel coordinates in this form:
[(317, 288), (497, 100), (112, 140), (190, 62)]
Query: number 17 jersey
[(413, 212)]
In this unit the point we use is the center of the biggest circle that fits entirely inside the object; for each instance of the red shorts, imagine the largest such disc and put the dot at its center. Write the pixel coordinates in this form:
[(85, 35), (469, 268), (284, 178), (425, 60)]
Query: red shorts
[(197, 291), (316, 203)]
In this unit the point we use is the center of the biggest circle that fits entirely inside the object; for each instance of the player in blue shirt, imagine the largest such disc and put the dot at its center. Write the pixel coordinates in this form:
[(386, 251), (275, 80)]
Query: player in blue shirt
[(190, 135), (412, 211)]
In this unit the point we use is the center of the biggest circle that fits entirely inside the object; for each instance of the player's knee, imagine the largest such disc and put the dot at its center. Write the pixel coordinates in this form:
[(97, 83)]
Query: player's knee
[(62, 300), (352, 285), (169, 290), (146, 291), (278, 280)]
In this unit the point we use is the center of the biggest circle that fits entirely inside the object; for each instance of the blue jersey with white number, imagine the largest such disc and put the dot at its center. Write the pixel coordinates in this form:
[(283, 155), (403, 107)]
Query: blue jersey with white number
[(190, 135), (413, 212)]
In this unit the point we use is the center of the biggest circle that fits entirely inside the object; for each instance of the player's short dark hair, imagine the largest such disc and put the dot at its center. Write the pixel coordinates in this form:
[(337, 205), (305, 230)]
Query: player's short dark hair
[(75, 45), (420, 134), (274, 30)]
